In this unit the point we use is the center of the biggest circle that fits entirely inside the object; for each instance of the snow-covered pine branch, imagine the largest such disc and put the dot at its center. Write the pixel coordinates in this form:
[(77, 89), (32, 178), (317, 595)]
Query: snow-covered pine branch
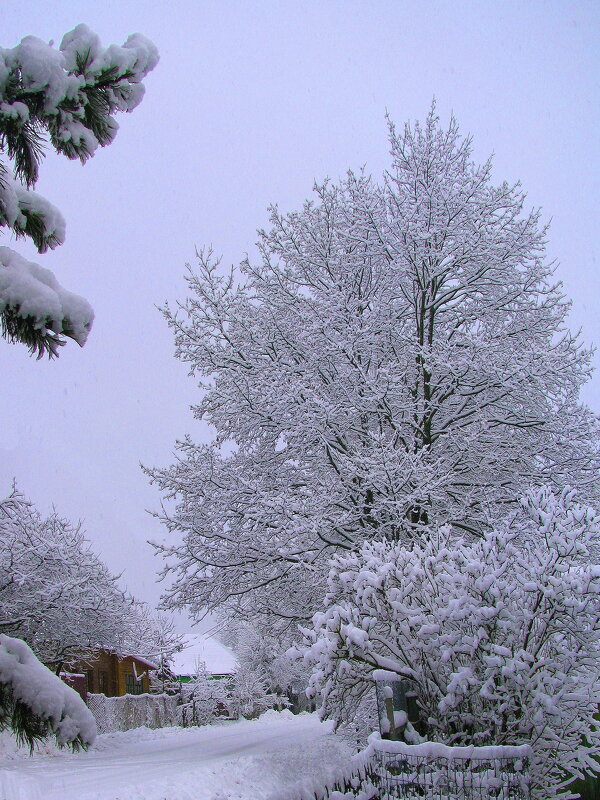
[(35, 703), (68, 96), (498, 637), (397, 358)]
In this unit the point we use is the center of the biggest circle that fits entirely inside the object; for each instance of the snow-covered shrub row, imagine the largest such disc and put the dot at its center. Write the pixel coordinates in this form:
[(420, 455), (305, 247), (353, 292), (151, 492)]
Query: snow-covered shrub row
[(245, 695), (35, 703), (498, 635)]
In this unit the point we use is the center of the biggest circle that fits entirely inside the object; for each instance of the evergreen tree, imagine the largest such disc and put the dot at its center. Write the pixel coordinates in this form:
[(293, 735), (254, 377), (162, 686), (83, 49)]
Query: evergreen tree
[(68, 97)]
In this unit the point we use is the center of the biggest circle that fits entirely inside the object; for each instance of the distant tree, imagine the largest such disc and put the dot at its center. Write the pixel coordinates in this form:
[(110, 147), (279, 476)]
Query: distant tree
[(58, 596), (498, 636), (70, 97), (203, 698), (154, 637), (397, 359), (262, 652), (163, 680), (250, 694)]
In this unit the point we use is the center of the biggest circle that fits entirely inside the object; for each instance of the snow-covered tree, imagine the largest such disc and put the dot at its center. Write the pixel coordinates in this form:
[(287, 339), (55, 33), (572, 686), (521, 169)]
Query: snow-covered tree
[(36, 704), (498, 636), (204, 698), (153, 635), (57, 595), (260, 651), (68, 97), (163, 680), (397, 358), (250, 694)]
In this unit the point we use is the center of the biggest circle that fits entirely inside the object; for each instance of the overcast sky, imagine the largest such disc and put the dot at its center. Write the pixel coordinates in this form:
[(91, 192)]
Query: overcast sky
[(250, 103)]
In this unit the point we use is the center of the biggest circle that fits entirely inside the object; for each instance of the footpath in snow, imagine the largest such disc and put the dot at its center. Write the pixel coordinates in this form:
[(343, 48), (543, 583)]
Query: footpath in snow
[(276, 756)]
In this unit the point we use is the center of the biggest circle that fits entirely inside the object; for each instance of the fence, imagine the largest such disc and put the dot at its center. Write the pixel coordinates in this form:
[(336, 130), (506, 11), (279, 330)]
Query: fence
[(438, 772), (389, 770), (114, 714)]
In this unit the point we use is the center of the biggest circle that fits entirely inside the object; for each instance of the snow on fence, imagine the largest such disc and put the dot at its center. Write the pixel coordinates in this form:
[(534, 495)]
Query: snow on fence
[(439, 772), (115, 714), (389, 770)]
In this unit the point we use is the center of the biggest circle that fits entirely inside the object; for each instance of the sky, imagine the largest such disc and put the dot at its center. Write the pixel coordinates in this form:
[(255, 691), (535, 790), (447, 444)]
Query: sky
[(250, 103)]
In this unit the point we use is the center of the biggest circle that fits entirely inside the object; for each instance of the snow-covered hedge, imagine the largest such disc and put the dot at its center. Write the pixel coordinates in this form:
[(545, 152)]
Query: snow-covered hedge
[(35, 703), (499, 636)]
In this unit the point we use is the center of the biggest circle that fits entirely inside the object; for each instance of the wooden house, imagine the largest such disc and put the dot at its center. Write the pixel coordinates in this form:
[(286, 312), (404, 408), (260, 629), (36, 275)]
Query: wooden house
[(115, 675)]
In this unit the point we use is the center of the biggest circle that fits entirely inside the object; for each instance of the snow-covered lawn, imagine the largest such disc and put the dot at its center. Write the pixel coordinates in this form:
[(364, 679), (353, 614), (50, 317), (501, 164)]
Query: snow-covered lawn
[(272, 757)]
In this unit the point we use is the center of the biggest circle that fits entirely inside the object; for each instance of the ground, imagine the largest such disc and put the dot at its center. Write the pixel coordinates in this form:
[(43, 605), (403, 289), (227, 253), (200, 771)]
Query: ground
[(273, 758)]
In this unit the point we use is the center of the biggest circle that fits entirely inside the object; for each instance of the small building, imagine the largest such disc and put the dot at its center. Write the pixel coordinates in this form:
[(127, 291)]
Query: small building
[(115, 675), (200, 649)]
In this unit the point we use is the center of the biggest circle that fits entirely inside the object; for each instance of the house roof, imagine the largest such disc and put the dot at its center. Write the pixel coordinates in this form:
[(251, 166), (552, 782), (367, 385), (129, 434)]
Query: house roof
[(143, 659), (219, 659)]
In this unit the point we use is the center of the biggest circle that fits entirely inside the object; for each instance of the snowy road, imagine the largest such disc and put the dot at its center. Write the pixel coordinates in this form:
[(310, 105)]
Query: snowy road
[(240, 761)]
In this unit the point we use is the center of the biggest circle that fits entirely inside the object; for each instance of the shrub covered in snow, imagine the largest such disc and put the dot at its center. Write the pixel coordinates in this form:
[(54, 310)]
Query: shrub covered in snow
[(36, 704), (203, 699), (251, 696), (498, 635)]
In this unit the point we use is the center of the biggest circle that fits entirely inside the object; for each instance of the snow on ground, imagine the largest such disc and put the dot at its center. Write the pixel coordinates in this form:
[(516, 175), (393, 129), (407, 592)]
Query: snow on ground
[(247, 760)]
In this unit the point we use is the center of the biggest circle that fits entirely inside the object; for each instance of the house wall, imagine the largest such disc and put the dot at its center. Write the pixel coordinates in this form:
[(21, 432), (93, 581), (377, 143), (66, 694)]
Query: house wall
[(106, 674), (100, 672), (125, 668)]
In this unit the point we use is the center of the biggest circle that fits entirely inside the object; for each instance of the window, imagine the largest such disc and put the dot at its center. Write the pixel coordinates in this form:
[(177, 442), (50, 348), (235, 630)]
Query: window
[(90, 681), (103, 682), (132, 686)]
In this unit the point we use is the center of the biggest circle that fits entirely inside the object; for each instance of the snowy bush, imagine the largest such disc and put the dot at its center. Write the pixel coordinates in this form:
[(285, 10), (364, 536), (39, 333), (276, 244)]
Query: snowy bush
[(498, 636), (35, 703), (203, 699), (251, 696)]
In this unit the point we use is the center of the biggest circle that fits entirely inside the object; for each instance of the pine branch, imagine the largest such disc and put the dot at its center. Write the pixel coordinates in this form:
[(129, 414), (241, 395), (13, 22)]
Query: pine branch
[(23, 330), (27, 727)]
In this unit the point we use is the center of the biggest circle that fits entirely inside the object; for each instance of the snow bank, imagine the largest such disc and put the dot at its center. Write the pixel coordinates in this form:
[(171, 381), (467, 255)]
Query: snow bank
[(12, 750), (34, 292), (45, 694)]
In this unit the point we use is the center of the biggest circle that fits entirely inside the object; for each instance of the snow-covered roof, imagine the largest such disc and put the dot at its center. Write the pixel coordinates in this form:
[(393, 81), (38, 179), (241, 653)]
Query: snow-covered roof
[(143, 659), (219, 659)]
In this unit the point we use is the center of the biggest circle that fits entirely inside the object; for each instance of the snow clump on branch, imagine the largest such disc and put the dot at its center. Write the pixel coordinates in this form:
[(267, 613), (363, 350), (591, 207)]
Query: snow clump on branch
[(31, 291), (70, 96), (35, 702)]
